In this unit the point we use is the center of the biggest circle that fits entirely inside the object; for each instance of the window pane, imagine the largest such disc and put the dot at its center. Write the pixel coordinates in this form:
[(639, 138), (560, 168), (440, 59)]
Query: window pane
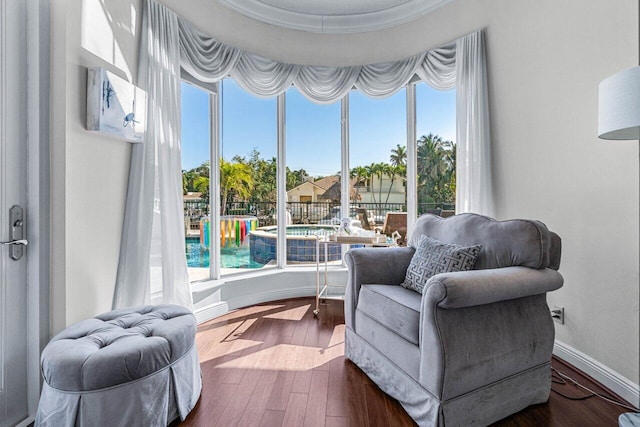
[(436, 130), (378, 159), (196, 155), (313, 175), (247, 180)]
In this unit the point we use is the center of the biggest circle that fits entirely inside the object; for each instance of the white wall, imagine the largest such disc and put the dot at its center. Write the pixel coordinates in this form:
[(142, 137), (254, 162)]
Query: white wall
[(89, 171), (545, 66), (546, 59)]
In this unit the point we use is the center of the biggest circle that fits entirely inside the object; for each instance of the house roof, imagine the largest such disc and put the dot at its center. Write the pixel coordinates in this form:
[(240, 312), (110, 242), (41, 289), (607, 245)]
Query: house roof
[(334, 192), (322, 183), (326, 182)]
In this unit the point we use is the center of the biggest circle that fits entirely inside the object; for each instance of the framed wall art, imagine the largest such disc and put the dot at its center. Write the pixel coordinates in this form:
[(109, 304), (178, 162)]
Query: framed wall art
[(115, 107)]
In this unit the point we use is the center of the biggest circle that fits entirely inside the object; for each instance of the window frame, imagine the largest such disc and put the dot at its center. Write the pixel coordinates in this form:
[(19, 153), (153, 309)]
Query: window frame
[(215, 109)]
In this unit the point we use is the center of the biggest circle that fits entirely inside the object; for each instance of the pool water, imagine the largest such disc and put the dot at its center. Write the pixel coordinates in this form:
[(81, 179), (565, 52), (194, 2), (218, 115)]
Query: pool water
[(230, 257)]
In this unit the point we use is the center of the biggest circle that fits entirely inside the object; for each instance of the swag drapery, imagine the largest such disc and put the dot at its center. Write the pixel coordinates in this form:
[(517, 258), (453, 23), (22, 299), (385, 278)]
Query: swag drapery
[(152, 252)]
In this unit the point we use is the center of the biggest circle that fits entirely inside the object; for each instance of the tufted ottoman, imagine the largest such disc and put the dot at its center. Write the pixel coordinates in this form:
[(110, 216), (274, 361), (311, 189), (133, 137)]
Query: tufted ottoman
[(130, 367)]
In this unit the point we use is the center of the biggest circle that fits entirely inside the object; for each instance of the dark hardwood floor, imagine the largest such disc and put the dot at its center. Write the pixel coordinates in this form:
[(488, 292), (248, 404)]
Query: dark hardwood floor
[(274, 364)]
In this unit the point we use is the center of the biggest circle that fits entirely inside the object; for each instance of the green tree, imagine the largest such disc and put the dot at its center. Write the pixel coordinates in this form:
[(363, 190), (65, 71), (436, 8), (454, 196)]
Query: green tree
[(377, 170), (398, 156), (436, 169), (263, 175), (358, 173), (235, 179), (201, 184), (395, 171), (296, 177), (190, 176)]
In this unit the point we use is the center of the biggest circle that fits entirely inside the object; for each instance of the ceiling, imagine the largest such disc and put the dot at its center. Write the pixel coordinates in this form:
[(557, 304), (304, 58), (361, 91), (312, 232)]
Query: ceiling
[(334, 16)]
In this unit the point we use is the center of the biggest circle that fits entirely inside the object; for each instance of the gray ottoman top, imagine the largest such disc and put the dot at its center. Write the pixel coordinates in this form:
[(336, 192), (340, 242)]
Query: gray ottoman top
[(118, 347)]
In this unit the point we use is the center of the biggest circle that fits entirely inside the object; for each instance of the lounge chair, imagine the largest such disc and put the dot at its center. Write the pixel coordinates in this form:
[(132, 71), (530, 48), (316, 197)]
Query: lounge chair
[(396, 221), (363, 217)]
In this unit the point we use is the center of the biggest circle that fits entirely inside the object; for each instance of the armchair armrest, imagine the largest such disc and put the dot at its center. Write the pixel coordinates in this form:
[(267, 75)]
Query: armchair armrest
[(500, 316), (373, 266), (478, 287), (378, 265)]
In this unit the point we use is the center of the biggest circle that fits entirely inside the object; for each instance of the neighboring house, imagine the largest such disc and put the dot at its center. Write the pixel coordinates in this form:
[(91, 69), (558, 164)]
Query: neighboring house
[(309, 201), (194, 205), (376, 189), (192, 195), (381, 189), (334, 192), (312, 191)]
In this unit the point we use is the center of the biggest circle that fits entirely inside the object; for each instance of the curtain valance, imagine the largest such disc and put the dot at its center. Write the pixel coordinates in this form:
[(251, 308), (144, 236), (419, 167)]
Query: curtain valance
[(209, 61)]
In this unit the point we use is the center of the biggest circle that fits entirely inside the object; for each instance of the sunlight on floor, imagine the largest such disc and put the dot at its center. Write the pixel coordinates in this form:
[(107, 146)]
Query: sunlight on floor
[(296, 313), (286, 357)]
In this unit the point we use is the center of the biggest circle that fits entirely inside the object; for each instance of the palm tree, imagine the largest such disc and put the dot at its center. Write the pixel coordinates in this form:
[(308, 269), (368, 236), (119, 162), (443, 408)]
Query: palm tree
[(394, 171), (398, 156), (436, 168), (234, 177), (185, 183), (378, 170), (358, 173), (201, 184)]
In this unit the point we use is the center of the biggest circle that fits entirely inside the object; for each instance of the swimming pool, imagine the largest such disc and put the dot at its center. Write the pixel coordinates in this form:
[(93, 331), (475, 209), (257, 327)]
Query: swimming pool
[(301, 244), (230, 257), (262, 248)]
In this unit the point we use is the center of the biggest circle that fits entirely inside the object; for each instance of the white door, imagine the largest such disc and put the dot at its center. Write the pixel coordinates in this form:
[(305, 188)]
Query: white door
[(13, 192)]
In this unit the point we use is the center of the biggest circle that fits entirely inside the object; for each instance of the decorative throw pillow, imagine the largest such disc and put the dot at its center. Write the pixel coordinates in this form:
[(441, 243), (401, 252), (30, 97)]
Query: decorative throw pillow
[(433, 257)]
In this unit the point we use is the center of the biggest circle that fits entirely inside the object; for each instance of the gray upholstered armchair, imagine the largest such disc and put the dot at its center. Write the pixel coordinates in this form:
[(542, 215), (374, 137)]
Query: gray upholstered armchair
[(476, 346)]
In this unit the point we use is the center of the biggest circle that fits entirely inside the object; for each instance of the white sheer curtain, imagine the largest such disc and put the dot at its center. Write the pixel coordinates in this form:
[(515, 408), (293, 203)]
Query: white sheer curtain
[(152, 254), (473, 158)]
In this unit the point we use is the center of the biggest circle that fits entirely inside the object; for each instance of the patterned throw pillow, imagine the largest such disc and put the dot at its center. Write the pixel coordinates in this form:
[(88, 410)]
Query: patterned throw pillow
[(434, 257)]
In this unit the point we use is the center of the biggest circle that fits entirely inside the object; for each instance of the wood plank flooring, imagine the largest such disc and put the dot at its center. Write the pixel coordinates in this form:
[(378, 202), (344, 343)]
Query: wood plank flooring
[(274, 364)]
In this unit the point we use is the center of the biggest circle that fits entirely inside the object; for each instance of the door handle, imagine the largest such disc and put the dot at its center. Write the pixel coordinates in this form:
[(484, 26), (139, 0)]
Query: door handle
[(22, 242), (17, 241)]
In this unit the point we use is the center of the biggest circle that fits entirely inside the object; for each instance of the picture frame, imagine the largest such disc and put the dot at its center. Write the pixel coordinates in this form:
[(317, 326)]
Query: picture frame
[(115, 107)]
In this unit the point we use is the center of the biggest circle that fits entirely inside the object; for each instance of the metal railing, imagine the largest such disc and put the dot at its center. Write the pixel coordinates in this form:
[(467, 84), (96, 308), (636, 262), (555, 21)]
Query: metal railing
[(307, 212)]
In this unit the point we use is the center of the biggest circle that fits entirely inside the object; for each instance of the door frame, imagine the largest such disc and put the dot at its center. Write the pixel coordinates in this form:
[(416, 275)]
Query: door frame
[(28, 18), (38, 205)]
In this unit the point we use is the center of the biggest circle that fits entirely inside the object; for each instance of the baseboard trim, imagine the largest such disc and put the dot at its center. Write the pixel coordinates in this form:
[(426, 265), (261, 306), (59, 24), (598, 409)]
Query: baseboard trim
[(274, 295), (211, 311), (609, 378)]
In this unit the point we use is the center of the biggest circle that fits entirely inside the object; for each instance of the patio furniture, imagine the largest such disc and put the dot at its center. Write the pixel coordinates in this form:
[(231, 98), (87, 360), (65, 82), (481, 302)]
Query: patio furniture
[(363, 216), (446, 213), (129, 367), (396, 221), (475, 346)]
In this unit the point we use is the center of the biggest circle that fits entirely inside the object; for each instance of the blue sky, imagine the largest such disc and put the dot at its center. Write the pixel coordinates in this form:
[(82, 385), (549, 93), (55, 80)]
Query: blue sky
[(313, 131)]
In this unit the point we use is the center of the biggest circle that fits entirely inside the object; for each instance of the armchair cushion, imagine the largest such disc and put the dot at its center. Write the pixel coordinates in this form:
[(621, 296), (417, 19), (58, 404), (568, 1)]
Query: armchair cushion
[(434, 257), (394, 307)]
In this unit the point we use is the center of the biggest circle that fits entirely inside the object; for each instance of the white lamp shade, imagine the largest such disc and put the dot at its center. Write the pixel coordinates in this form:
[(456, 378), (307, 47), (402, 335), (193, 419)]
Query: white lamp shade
[(619, 106)]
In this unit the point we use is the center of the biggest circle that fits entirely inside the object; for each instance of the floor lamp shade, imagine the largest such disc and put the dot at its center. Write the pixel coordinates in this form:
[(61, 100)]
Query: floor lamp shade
[(619, 106)]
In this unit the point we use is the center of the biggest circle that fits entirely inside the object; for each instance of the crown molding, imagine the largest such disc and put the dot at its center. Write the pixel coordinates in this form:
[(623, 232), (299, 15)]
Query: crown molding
[(354, 20)]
